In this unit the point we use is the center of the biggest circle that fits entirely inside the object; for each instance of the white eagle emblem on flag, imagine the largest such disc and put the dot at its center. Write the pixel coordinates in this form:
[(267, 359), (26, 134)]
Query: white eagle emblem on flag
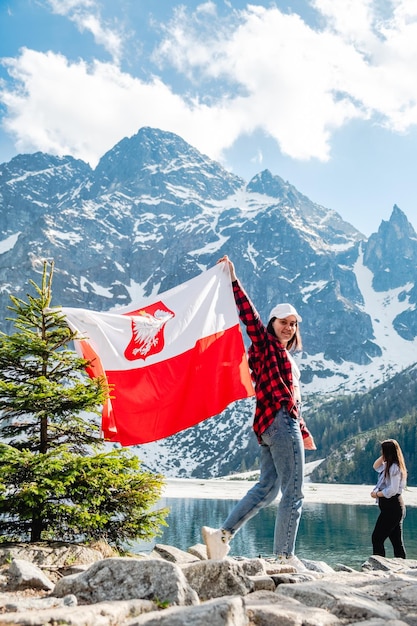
[(147, 331)]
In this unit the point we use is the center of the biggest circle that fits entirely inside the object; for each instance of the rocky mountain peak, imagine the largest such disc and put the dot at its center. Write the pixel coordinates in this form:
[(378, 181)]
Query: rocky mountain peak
[(391, 253), (266, 183), (161, 164), (40, 166)]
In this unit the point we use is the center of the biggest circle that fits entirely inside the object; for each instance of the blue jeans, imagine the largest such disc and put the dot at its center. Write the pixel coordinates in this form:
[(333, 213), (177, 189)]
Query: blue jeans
[(282, 468)]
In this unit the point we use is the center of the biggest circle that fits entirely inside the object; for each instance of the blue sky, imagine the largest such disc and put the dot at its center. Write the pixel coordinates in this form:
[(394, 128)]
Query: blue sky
[(321, 92)]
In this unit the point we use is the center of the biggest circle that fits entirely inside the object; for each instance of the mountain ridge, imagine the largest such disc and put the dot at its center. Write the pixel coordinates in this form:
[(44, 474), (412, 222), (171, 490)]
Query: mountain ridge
[(155, 212)]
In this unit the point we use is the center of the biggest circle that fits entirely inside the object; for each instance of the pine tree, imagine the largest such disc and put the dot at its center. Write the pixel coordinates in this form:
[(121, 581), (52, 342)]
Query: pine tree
[(56, 482)]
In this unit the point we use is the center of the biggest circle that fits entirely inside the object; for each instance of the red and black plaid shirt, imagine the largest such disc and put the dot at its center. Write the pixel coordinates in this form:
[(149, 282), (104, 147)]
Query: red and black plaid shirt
[(270, 368)]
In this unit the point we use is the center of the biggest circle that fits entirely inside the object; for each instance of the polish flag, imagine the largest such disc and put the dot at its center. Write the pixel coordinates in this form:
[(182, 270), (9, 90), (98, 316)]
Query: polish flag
[(170, 361)]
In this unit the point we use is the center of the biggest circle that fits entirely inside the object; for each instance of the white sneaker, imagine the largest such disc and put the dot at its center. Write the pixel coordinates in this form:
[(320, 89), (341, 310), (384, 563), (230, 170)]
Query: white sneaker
[(217, 542), (291, 561)]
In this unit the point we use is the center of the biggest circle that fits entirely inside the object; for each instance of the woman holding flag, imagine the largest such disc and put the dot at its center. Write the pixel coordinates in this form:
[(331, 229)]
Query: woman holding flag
[(278, 425)]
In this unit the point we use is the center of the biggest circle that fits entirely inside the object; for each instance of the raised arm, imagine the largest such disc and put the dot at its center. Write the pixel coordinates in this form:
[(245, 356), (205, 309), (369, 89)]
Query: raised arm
[(378, 462), (248, 314)]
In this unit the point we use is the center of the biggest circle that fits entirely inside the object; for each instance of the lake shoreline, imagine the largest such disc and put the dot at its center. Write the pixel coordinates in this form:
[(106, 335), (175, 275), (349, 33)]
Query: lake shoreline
[(317, 493)]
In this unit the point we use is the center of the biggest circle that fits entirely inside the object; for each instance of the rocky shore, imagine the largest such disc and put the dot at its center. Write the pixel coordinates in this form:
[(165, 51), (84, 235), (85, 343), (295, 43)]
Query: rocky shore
[(72, 584)]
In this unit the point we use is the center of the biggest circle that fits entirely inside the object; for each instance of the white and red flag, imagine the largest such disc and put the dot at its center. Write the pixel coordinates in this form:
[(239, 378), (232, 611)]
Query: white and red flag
[(170, 361)]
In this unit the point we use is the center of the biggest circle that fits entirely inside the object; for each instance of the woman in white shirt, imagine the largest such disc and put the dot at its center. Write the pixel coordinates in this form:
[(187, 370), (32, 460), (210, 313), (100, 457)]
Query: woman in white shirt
[(391, 482)]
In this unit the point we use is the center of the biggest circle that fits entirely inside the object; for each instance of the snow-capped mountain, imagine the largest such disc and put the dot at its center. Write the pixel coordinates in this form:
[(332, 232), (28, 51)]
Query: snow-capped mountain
[(155, 212)]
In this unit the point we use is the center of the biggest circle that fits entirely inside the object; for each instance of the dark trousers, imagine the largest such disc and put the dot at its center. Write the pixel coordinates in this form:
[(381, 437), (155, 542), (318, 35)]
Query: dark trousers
[(389, 525)]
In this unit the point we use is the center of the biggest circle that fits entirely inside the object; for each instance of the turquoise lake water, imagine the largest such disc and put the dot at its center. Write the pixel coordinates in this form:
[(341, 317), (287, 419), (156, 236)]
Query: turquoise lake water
[(334, 533)]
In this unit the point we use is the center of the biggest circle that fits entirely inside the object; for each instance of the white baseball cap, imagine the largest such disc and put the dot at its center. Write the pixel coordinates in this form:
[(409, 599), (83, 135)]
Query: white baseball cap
[(284, 310)]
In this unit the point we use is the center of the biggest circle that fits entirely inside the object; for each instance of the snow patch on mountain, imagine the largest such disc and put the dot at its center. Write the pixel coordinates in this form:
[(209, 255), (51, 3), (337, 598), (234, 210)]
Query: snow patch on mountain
[(87, 286), (8, 243), (397, 353), (383, 308)]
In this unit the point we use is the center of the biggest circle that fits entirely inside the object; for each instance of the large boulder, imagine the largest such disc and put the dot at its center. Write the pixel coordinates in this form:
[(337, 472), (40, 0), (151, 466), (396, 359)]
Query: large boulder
[(127, 578)]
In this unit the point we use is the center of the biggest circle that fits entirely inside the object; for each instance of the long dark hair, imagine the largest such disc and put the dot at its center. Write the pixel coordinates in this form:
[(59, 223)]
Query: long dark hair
[(295, 342), (392, 453)]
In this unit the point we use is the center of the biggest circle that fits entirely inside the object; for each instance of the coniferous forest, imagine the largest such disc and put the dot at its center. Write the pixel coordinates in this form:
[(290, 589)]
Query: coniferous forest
[(349, 429)]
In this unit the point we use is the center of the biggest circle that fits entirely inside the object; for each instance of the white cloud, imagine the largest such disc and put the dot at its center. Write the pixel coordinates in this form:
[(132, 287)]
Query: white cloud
[(351, 19), (95, 106), (379, 77), (207, 8), (86, 15), (301, 84), (259, 69), (281, 70)]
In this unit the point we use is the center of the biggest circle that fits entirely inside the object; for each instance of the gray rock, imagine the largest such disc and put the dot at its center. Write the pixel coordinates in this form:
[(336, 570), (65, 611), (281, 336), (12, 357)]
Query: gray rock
[(263, 583), (272, 567), (340, 567), (25, 575), (339, 599), (269, 609), (318, 566), (101, 614), (154, 555), (12, 604), (280, 579), (389, 565), (49, 555), (213, 579), (252, 567), (169, 553), (227, 611), (129, 578), (199, 550)]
